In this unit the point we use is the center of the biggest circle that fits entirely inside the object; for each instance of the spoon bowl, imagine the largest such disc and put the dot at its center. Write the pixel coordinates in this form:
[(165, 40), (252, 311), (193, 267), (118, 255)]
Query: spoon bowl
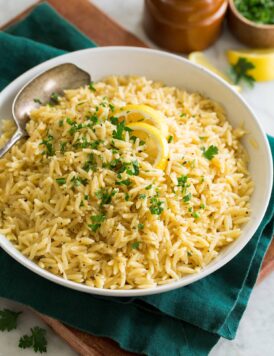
[(39, 91)]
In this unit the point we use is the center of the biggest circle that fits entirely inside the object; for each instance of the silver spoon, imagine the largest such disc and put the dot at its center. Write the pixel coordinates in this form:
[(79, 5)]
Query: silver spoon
[(54, 80)]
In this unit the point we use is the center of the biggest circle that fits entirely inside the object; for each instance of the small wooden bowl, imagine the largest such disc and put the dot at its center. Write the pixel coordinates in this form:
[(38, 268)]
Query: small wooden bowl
[(250, 33)]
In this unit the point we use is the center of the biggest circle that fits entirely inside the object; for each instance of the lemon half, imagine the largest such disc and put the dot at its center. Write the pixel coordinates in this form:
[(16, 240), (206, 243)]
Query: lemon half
[(145, 114), (156, 144), (200, 58), (263, 60)]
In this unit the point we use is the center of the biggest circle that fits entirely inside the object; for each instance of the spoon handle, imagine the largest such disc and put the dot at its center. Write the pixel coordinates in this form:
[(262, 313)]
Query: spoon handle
[(16, 136)]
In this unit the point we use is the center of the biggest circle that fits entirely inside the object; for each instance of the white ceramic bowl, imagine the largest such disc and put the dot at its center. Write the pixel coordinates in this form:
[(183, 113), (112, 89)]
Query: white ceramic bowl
[(176, 71)]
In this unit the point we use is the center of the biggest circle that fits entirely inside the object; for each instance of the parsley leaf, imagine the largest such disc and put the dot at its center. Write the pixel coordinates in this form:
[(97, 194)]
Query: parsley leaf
[(170, 139), (61, 181), (239, 71), (8, 319), (156, 207), (91, 86), (63, 146), (126, 182), (47, 142), (105, 196), (187, 197), (210, 152), (90, 164), (141, 226), (38, 101), (37, 340), (135, 245), (98, 218), (142, 196), (77, 181), (54, 99)]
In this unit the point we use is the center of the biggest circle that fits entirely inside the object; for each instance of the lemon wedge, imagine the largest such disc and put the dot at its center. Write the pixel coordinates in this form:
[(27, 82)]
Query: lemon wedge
[(263, 60), (200, 58), (156, 144), (145, 114)]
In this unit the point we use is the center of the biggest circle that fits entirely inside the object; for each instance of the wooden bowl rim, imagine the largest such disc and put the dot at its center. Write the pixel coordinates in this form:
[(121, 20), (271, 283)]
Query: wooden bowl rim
[(246, 21)]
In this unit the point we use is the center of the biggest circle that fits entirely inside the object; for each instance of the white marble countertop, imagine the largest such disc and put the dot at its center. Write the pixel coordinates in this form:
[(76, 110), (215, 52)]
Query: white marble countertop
[(255, 334)]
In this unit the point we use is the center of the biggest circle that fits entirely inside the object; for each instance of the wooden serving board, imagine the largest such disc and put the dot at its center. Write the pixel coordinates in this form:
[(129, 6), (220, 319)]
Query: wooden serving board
[(105, 32)]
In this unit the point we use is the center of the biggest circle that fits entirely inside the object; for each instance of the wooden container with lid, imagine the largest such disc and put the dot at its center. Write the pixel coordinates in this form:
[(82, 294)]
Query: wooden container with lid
[(184, 25)]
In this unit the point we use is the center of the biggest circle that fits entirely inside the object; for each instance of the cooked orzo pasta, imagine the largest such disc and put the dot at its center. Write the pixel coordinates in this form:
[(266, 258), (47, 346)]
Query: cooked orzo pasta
[(83, 198)]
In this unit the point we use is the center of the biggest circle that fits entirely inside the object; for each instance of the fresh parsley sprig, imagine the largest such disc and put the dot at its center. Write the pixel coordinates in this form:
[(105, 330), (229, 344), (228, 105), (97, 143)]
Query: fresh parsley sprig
[(8, 319), (240, 72), (37, 340)]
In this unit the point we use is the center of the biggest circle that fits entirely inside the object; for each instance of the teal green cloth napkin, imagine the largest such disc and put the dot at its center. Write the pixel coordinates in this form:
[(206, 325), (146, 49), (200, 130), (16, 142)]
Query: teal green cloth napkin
[(187, 321)]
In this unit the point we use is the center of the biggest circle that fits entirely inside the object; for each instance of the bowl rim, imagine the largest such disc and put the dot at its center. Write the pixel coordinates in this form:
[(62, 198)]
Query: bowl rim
[(240, 17), (19, 257)]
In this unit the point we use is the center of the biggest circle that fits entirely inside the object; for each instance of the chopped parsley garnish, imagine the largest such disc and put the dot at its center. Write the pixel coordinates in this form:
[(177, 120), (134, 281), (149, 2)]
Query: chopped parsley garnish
[(126, 182), (190, 209), (135, 245), (38, 101), (93, 119), (182, 114), (61, 181), (90, 164), (105, 196), (202, 206), (91, 86), (148, 187), (47, 142), (126, 197), (98, 218), (54, 99), (97, 221), (37, 340), (86, 197), (195, 215), (210, 152), (142, 196), (240, 71), (77, 181), (8, 319), (61, 123), (187, 197), (202, 138), (156, 207), (170, 139), (141, 226), (63, 146), (111, 106), (121, 127), (133, 138)]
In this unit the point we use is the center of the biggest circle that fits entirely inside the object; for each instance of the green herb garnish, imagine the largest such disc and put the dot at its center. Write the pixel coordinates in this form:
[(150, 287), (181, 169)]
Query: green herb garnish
[(141, 226), (54, 99), (38, 101), (170, 139), (91, 86), (142, 196), (239, 71), (156, 207), (47, 142), (135, 245), (8, 319), (187, 197), (210, 152), (105, 196), (90, 164), (148, 187), (126, 182), (61, 181), (259, 11), (195, 215), (63, 146), (77, 181), (37, 340), (112, 107)]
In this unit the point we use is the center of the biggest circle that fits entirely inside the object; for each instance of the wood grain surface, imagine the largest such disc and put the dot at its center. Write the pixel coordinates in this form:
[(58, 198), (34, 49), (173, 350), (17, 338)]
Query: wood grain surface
[(105, 32)]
